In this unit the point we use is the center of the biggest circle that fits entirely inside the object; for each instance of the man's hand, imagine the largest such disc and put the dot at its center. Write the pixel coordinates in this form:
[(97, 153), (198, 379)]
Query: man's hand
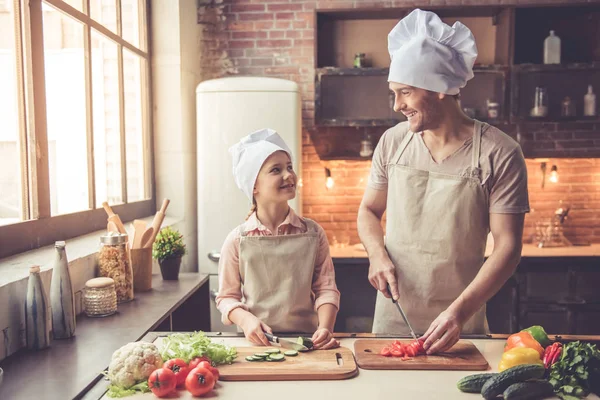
[(254, 330), (381, 273), (443, 333), (323, 339)]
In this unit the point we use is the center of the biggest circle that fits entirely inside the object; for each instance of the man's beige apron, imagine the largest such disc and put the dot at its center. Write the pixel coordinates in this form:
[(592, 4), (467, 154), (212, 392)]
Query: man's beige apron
[(437, 226), (277, 274)]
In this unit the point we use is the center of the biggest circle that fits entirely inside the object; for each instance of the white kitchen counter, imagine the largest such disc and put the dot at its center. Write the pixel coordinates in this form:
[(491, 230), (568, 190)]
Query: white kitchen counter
[(368, 384)]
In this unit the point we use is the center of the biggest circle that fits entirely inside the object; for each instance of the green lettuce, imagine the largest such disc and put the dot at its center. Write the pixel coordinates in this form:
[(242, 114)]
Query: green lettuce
[(187, 346)]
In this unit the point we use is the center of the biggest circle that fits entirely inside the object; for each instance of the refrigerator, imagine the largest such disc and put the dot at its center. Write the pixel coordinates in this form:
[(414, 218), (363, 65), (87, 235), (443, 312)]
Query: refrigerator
[(227, 110)]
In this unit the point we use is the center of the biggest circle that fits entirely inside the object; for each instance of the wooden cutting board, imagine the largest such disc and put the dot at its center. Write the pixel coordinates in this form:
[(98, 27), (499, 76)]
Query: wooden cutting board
[(462, 356), (313, 365)]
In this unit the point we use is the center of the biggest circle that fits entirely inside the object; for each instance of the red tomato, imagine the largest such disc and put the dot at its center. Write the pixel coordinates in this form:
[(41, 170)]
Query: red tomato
[(179, 368), (199, 381), (197, 360), (386, 352), (162, 382), (208, 366)]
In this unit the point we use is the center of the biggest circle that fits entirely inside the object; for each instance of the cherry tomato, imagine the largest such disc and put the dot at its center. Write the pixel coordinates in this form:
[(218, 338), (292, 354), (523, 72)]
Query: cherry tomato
[(397, 352), (197, 360), (179, 368), (208, 366), (386, 352), (162, 382), (199, 381)]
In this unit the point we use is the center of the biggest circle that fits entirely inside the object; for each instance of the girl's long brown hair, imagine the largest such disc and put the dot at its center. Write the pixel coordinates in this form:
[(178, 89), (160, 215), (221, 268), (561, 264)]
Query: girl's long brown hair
[(252, 209)]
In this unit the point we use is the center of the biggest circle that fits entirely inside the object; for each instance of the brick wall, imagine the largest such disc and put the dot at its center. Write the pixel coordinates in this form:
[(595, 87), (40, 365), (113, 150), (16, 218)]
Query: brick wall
[(276, 38)]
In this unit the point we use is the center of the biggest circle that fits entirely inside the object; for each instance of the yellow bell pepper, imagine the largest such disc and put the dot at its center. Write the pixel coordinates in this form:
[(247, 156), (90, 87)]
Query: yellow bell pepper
[(518, 356)]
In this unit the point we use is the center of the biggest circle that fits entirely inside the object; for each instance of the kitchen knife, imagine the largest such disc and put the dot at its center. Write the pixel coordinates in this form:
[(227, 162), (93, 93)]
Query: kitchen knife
[(286, 344), (402, 313)]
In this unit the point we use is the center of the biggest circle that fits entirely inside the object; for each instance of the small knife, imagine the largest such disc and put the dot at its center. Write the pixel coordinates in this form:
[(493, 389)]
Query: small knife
[(286, 344), (402, 313)]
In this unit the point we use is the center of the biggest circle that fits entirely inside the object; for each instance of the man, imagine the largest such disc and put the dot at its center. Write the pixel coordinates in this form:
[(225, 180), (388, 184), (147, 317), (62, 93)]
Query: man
[(445, 181)]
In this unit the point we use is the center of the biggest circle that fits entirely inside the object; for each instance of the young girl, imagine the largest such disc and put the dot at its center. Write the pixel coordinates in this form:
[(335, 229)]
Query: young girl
[(277, 261)]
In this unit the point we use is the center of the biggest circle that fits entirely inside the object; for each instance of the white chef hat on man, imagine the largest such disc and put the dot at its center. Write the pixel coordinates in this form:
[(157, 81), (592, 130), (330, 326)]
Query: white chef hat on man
[(429, 54), (250, 153)]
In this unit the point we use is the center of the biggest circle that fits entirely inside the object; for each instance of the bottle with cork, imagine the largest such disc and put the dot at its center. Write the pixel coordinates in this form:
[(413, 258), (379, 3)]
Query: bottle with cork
[(589, 103)]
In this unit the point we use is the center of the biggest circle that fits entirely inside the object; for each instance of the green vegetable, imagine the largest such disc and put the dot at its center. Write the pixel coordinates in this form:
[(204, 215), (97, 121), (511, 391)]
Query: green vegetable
[(473, 383), (118, 392), (531, 390), (304, 341), (291, 353), (275, 357), (261, 355), (521, 373), (538, 334), (272, 351), (577, 372), (197, 344)]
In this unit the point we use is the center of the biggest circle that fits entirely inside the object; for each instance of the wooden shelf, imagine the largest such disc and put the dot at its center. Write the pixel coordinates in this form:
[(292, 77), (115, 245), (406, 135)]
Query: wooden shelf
[(339, 71)]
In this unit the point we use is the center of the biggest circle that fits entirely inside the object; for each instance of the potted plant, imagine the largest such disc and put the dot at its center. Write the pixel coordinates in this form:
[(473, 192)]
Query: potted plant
[(168, 248)]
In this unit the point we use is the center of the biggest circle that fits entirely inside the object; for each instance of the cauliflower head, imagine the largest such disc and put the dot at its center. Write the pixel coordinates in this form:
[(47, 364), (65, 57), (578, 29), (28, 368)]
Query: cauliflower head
[(133, 363)]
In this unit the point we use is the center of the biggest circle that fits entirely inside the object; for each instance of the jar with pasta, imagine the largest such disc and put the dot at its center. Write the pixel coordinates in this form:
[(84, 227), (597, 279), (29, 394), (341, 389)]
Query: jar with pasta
[(114, 263)]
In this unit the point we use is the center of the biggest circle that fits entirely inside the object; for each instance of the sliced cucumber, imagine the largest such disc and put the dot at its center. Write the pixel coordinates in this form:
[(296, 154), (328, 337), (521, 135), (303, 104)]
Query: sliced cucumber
[(291, 353), (250, 358), (272, 351), (276, 357), (261, 355)]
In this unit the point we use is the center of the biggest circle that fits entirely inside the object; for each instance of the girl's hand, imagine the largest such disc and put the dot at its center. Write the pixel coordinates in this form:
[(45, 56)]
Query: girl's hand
[(323, 339), (254, 330)]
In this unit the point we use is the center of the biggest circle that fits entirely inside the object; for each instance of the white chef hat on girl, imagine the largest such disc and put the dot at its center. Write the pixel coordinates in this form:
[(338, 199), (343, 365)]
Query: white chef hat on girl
[(250, 153), (429, 54)]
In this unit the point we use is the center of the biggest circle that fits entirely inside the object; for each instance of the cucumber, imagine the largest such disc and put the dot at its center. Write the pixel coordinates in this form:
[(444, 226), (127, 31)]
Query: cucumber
[(531, 390), (275, 357), (473, 383), (272, 351), (291, 353), (261, 355), (521, 373), (252, 358), (304, 341)]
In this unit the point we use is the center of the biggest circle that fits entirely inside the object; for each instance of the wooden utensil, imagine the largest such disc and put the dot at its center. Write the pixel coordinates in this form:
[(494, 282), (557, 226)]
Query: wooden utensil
[(139, 227), (312, 365), (462, 356), (112, 227), (147, 238), (159, 217), (114, 218)]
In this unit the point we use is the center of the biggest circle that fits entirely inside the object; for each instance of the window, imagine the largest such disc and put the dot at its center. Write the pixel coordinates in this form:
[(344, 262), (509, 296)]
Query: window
[(74, 112)]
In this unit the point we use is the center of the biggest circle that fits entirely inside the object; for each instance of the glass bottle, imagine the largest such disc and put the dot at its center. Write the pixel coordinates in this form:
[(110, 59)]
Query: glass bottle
[(61, 296)]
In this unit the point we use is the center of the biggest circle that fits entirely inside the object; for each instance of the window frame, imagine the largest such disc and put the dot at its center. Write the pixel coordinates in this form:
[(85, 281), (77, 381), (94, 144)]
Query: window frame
[(40, 228)]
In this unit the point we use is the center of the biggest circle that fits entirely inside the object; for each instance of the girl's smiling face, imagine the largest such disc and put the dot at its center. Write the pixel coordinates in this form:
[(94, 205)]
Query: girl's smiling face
[(276, 181)]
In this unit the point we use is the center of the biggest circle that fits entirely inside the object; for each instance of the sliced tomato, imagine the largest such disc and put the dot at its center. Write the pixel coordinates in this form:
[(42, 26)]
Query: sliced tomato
[(397, 353), (406, 358), (410, 351), (386, 352)]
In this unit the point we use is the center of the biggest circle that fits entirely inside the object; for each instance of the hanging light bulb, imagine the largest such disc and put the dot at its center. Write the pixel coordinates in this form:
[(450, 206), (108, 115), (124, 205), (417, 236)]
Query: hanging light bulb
[(553, 174), (329, 181)]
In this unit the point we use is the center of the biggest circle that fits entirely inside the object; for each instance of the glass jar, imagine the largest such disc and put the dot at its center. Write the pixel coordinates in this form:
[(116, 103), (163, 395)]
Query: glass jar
[(100, 297), (567, 108), (493, 109), (540, 103), (113, 262)]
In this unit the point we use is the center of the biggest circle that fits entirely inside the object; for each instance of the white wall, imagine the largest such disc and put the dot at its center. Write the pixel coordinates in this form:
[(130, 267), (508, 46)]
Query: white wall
[(176, 49)]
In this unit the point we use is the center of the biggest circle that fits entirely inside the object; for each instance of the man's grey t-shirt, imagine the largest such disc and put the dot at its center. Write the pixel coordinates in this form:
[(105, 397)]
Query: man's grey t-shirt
[(504, 172)]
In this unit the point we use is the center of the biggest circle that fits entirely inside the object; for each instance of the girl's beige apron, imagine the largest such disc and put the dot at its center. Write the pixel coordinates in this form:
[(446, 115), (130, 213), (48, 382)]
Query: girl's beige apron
[(277, 274), (436, 231)]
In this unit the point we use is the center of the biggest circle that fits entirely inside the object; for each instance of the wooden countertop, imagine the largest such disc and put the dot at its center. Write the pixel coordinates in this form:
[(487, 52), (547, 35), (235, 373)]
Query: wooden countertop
[(368, 384), (70, 366), (529, 250)]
